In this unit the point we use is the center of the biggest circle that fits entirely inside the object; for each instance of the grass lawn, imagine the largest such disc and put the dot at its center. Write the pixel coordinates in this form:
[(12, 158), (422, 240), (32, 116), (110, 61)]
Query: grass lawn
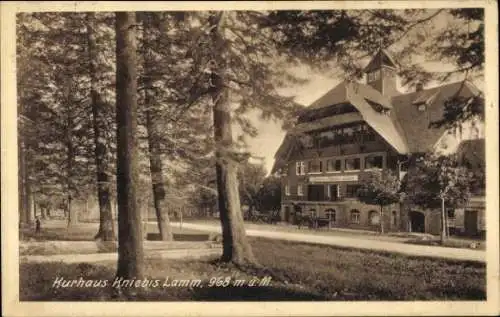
[(54, 231), (298, 271)]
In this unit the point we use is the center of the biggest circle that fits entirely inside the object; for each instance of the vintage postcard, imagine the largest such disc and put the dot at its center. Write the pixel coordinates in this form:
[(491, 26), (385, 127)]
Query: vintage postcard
[(266, 158)]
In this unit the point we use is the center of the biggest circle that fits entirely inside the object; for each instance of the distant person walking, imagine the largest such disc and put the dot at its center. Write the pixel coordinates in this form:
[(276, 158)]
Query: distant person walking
[(38, 225)]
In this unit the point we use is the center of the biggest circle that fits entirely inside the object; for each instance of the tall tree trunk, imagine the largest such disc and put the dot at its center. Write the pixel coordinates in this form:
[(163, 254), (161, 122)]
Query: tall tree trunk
[(24, 214), (443, 222), (101, 151), (235, 244), (72, 218), (72, 213), (155, 165), (381, 219), (33, 205), (154, 137), (20, 180), (447, 223), (30, 210), (130, 245)]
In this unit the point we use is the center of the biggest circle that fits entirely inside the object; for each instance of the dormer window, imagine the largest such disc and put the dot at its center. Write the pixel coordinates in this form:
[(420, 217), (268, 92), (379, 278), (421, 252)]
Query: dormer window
[(377, 107), (425, 99), (374, 75)]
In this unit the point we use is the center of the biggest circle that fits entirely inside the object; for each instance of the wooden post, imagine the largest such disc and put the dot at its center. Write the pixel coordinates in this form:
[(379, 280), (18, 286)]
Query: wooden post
[(180, 211)]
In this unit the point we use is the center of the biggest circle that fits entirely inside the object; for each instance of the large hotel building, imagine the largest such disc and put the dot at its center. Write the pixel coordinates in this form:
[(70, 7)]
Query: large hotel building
[(355, 128)]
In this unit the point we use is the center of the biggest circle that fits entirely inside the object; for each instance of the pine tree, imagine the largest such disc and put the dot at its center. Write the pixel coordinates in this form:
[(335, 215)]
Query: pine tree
[(235, 245), (53, 97), (101, 142), (237, 69), (150, 42), (130, 250)]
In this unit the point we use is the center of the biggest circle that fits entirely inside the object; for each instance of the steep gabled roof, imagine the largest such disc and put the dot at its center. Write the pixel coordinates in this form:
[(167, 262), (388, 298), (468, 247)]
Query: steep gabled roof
[(405, 127), (382, 58), (334, 96), (283, 153), (415, 123), (383, 124), (339, 94), (361, 96)]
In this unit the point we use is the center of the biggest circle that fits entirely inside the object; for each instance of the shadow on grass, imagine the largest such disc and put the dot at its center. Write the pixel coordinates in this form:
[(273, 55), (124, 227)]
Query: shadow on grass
[(267, 293), (180, 237), (38, 283), (477, 245), (299, 271)]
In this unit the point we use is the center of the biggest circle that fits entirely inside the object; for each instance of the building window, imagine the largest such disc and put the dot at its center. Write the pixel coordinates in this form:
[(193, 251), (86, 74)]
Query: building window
[(451, 213), (355, 216), (374, 217), (313, 213), (300, 191), (300, 168), (373, 75), (333, 192), (352, 164), (326, 138), (368, 133), (421, 107), (315, 167), (394, 218), (283, 171), (352, 191), (316, 193), (333, 165), (374, 161), (307, 141), (349, 134), (331, 214), (287, 190)]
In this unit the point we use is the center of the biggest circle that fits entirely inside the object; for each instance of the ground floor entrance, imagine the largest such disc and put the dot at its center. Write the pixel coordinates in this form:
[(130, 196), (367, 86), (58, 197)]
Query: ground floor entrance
[(343, 213), (417, 221), (471, 222)]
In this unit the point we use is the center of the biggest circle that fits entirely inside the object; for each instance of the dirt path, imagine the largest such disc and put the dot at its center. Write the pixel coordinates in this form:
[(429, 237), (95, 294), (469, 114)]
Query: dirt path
[(357, 243), (98, 257)]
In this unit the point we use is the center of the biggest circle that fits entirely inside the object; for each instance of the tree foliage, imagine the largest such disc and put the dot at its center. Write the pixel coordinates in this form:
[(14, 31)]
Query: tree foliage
[(434, 178), (437, 183), (54, 88), (381, 188), (270, 194), (251, 179)]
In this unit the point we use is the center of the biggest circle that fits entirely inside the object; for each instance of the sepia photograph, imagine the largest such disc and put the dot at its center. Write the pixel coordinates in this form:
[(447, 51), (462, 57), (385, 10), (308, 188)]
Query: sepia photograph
[(302, 153)]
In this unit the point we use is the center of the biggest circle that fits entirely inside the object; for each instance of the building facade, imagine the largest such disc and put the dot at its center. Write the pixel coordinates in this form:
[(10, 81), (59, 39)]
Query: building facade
[(356, 128)]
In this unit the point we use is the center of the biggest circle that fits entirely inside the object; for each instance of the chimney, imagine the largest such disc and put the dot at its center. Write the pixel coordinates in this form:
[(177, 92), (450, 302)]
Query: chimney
[(419, 86)]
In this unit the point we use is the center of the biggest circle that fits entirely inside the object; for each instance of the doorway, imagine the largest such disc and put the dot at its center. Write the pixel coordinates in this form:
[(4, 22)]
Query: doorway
[(470, 222), (417, 221)]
